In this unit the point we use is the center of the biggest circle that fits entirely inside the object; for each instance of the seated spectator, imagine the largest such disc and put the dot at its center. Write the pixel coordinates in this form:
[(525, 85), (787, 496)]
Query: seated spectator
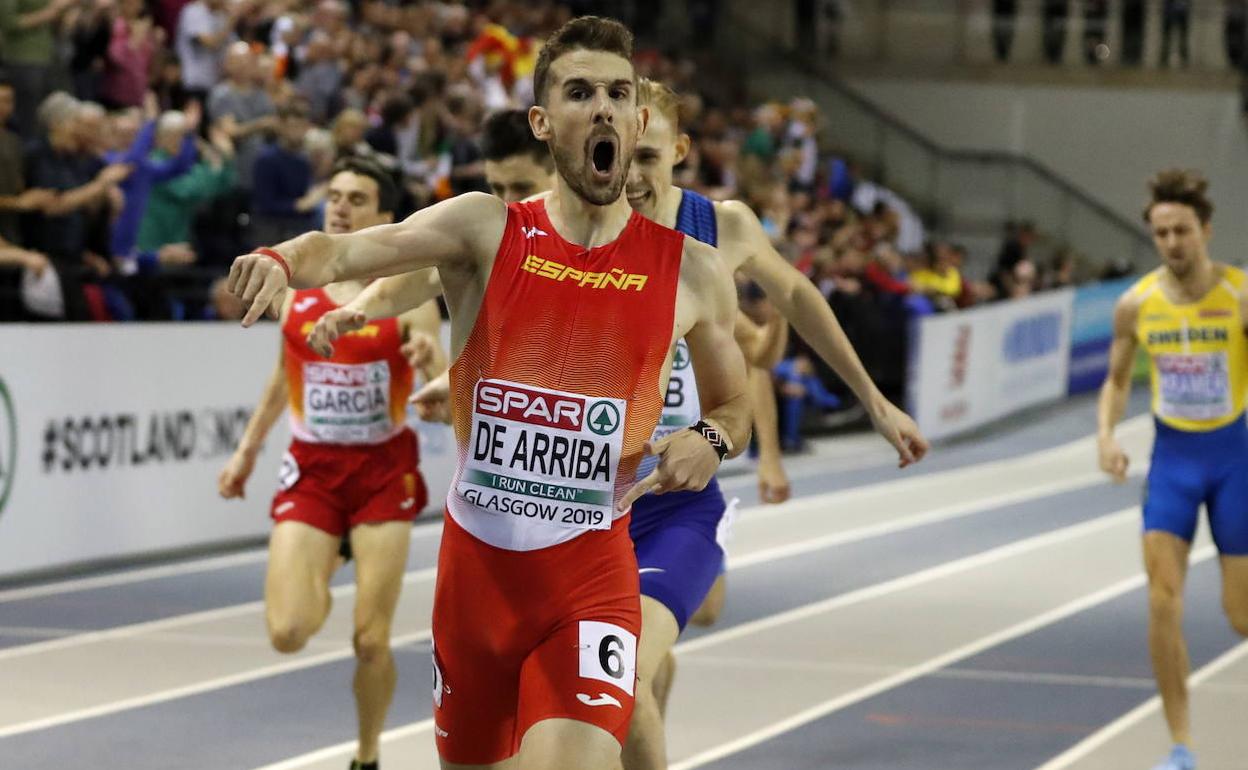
[(174, 202), (281, 203), (800, 389), (939, 278)]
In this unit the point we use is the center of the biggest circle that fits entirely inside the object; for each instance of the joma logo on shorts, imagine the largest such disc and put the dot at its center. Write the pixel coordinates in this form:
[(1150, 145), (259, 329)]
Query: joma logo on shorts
[(614, 278), (523, 405)]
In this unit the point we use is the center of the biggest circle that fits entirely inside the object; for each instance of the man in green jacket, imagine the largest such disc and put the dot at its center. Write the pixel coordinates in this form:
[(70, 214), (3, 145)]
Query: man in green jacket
[(172, 205)]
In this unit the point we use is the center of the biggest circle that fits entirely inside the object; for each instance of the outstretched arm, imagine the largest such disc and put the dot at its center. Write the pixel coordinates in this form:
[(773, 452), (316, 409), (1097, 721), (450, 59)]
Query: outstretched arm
[(387, 298), (800, 302), (454, 232)]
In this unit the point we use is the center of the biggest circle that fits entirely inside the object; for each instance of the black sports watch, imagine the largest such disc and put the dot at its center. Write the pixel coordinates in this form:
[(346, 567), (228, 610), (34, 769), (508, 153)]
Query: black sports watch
[(713, 436)]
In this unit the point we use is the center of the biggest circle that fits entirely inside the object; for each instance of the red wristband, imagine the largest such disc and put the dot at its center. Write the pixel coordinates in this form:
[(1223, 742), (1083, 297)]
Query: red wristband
[(278, 258)]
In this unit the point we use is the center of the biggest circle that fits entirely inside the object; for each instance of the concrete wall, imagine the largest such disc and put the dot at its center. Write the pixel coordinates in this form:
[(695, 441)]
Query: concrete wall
[(1106, 140)]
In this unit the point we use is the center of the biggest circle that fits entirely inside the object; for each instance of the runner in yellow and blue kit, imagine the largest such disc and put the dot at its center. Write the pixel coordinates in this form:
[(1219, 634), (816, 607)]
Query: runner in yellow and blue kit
[(1189, 315)]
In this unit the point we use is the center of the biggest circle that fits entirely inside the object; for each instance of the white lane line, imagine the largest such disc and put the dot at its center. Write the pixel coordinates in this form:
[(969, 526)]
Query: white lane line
[(917, 520), (929, 666), (259, 555), (331, 752), (209, 564), (987, 469), (38, 632), (962, 674), (911, 580), (763, 556), (901, 675), (948, 568), (198, 688), (178, 621), (1141, 712)]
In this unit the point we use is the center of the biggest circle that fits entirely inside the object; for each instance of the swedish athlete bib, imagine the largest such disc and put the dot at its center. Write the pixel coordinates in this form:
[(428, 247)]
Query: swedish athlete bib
[(1197, 353), (359, 396), (557, 388), (681, 407)]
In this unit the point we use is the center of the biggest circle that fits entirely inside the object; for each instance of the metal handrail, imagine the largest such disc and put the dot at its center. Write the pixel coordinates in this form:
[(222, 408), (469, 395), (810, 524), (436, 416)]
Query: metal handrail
[(937, 152)]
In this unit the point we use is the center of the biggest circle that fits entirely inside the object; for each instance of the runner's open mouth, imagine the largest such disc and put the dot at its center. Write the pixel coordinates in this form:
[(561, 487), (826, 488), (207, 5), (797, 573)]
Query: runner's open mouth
[(602, 155)]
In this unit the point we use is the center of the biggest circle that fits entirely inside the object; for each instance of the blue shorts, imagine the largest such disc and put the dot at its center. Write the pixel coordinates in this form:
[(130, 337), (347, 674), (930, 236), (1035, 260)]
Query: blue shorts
[(676, 537), (1190, 468)]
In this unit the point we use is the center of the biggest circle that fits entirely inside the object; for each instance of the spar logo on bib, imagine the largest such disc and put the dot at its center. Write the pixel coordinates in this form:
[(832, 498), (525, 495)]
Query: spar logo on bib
[(680, 361), (604, 418), (8, 444), (543, 456)]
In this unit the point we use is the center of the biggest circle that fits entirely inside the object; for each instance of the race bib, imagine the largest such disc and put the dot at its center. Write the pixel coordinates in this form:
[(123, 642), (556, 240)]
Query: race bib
[(347, 403), (543, 456), (608, 654), (681, 407), (1194, 386)]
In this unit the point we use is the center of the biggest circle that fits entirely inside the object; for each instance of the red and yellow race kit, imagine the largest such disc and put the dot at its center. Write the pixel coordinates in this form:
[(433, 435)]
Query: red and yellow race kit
[(536, 613), (353, 459)]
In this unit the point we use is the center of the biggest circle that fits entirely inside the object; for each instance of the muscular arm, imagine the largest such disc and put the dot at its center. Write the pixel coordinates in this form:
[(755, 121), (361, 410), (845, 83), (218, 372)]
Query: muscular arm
[(1117, 387), (798, 300), (453, 233), (717, 361), (397, 294)]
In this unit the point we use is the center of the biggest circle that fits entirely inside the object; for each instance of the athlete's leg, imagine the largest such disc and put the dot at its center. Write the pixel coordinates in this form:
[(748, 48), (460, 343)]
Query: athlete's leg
[(663, 679), (380, 556), (1228, 523), (567, 744), (712, 605), (1235, 592), (646, 748), (1165, 559), (296, 588)]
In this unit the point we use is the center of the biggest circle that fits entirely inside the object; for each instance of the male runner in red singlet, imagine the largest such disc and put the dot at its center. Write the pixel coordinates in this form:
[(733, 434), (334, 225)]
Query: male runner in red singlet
[(563, 315), (351, 470)]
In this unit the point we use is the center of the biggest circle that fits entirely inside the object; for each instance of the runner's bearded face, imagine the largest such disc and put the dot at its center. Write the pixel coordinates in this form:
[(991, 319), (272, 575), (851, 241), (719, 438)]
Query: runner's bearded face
[(1180, 238), (659, 149), (593, 121)]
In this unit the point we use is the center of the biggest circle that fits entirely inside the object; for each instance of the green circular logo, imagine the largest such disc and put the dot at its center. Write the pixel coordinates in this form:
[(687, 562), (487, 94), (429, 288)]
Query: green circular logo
[(680, 361), (604, 418), (8, 444)]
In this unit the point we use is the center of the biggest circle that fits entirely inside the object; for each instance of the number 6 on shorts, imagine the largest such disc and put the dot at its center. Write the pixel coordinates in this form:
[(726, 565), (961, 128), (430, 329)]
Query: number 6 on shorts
[(608, 654)]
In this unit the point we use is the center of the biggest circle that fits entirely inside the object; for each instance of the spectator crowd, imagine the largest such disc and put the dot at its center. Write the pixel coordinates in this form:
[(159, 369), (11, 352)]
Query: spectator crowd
[(145, 144)]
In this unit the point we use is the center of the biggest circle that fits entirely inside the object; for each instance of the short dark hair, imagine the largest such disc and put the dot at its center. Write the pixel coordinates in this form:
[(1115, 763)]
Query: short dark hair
[(1185, 187), (590, 33), (387, 190), (507, 133)]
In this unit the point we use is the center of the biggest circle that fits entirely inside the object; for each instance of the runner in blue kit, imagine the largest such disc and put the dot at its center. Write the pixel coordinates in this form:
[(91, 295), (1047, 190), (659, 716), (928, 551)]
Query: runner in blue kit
[(677, 536)]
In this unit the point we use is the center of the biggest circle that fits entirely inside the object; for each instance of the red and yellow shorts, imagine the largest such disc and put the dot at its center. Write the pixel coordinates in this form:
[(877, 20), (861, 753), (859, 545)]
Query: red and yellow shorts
[(335, 487), (524, 636)]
